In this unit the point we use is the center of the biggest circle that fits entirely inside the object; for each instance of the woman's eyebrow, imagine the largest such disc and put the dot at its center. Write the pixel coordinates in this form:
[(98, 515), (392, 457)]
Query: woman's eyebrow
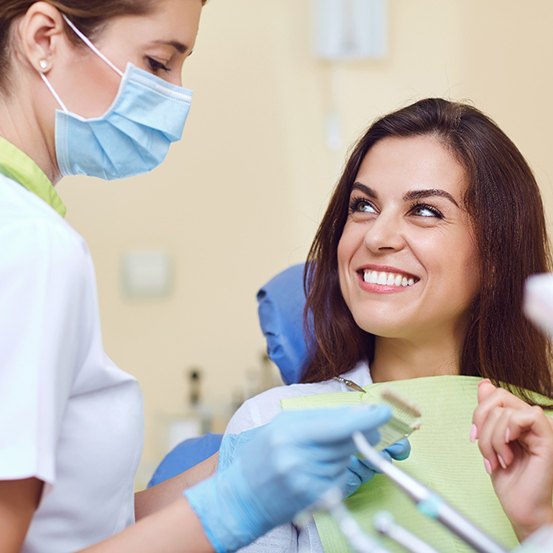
[(408, 196), (365, 189), (421, 194)]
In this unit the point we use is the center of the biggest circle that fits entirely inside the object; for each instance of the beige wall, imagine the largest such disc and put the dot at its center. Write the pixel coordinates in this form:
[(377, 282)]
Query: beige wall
[(239, 199)]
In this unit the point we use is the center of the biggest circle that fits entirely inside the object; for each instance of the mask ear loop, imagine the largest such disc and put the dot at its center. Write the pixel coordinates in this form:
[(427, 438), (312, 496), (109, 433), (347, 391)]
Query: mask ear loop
[(89, 43), (53, 92)]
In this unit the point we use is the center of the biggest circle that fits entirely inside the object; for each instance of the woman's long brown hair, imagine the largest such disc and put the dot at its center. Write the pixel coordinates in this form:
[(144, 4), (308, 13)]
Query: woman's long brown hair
[(505, 206)]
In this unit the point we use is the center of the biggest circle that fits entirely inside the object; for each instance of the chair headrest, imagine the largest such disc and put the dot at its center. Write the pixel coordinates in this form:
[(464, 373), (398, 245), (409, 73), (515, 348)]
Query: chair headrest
[(280, 309)]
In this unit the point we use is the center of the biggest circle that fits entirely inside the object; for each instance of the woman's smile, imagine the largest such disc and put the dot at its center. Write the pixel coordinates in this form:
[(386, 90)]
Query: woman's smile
[(385, 280)]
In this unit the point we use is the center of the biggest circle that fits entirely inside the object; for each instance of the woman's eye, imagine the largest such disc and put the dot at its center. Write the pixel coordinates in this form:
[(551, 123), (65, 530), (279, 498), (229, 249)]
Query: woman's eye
[(360, 205), (426, 211), (156, 66)]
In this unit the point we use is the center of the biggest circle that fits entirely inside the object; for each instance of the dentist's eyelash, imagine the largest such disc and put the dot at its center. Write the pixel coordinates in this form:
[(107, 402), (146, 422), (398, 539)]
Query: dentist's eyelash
[(425, 207), (156, 65)]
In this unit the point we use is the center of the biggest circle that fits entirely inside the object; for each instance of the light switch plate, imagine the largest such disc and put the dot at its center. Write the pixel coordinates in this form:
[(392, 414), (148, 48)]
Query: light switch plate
[(146, 274)]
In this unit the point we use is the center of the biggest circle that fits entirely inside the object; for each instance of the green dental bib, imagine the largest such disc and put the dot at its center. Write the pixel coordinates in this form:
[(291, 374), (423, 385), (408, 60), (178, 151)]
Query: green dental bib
[(442, 457)]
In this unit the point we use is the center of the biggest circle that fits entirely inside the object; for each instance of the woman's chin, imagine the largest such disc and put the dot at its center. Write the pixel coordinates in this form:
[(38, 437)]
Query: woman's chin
[(384, 330)]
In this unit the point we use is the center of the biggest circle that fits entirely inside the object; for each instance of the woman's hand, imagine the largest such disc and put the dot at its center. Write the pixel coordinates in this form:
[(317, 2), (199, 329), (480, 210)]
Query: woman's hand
[(516, 441)]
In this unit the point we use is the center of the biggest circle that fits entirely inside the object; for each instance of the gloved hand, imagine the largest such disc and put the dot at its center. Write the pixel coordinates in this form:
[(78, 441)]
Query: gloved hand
[(361, 471), (282, 468)]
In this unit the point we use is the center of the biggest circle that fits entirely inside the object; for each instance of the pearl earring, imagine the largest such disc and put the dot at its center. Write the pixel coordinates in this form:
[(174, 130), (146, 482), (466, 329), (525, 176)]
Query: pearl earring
[(43, 64)]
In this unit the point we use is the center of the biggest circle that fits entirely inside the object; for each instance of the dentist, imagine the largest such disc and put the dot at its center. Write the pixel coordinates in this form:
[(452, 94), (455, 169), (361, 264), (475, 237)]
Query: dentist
[(93, 87)]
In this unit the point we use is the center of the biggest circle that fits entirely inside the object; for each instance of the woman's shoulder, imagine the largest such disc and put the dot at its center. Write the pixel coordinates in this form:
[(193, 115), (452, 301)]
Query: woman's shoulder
[(263, 407)]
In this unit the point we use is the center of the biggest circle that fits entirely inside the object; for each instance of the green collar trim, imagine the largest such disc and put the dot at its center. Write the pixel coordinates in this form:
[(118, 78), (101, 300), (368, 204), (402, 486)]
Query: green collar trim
[(18, 166)]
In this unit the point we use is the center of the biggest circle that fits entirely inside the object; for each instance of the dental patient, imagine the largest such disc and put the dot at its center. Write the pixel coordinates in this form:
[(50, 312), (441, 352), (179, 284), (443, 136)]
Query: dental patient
[(415, 281)]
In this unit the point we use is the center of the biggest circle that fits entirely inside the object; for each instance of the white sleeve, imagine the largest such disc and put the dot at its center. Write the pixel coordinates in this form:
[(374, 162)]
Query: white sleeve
[(44, 275)]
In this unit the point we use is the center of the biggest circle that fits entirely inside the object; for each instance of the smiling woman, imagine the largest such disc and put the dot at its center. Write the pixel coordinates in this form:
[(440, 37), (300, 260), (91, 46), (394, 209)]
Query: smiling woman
[(472, 254), (406, 225), (415, 279)]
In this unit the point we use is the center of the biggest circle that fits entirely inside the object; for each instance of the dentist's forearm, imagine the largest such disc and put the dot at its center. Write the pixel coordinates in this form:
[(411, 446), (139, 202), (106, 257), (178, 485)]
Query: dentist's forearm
[(173, 529)]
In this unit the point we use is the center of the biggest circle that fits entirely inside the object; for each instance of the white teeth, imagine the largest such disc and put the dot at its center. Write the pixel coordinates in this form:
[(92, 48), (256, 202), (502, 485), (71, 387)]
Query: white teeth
[(387, 279)]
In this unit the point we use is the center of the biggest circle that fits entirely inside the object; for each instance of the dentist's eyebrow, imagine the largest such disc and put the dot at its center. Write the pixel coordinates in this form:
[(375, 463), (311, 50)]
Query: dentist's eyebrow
[(178, 46), (422, 194)]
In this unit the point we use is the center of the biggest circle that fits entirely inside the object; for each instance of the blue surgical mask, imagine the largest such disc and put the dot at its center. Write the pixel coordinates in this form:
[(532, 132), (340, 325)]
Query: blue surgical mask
[(134, 134)]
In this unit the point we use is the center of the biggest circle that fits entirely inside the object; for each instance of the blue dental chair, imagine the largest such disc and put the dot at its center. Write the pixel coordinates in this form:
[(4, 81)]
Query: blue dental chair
[(280, 309)]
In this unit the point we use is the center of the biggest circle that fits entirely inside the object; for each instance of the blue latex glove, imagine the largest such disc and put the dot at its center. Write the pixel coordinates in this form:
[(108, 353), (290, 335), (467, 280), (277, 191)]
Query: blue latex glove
[(282, 468), (361, 471)]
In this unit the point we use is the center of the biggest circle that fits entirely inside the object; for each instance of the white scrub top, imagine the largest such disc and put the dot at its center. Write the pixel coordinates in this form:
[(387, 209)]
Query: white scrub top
[(68, 415)]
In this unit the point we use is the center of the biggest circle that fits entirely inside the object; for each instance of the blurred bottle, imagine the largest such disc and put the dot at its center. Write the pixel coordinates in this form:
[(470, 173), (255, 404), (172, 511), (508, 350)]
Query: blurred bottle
[(196, 405)]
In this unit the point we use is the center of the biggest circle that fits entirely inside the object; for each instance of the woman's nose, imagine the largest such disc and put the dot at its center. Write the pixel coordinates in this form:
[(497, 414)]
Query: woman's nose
[(384, 234)]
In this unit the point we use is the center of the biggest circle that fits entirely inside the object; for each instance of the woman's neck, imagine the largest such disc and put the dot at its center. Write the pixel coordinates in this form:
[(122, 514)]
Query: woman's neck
[(19, 124), (399, 359)]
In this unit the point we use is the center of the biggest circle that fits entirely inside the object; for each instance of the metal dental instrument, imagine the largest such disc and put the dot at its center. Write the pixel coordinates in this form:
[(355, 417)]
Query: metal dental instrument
[(350, 384), (384, 524), (359, 541), (428, 502)]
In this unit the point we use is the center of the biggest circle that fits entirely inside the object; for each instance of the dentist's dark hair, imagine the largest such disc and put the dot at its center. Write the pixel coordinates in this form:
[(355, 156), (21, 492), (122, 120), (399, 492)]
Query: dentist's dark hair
[(506, 211), (88, 15)]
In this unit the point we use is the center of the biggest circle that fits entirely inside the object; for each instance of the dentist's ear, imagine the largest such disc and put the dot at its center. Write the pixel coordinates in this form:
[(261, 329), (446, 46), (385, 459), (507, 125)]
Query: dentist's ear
[(41, 34)]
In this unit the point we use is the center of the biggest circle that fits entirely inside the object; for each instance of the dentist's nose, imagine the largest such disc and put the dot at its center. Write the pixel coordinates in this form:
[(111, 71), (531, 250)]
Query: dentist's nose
[(384, 234)]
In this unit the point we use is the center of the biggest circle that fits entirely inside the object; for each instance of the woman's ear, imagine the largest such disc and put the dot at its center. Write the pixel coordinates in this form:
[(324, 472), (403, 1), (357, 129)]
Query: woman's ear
[(41, 35)]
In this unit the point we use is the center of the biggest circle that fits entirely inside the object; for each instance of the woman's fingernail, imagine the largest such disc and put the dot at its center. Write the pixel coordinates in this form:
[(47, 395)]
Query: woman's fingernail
[(487, 466), (501, 462), (473, 433), (507, 435)]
